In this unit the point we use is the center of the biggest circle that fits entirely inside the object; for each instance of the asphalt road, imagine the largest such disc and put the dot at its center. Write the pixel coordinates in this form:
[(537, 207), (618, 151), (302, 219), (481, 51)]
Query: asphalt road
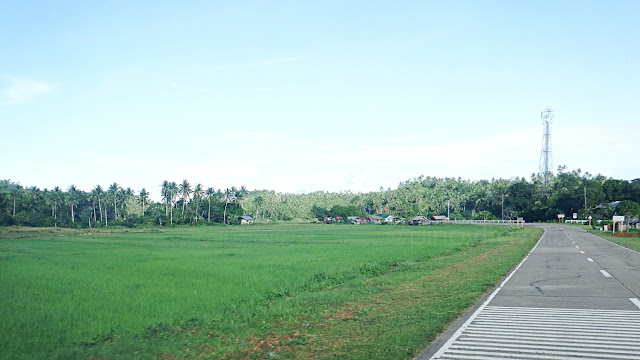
[(575, 296)]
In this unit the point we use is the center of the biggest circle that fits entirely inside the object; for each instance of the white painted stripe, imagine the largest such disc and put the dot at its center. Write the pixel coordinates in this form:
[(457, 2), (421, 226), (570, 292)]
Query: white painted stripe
[(549, 356), (533, 345), (614, 340), (542, 325), (566, 311), (605, 273), (541, 333), (635, 302), (458, 332), (552, 321), (577, 247), (598, 335), (551, 351), (581, 252), (590, 259)]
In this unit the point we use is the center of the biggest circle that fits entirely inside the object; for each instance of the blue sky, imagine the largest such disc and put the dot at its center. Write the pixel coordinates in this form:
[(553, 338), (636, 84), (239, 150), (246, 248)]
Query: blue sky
[(301, 96)]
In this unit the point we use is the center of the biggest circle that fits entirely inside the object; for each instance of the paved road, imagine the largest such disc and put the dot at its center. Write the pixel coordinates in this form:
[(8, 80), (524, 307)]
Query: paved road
[(574, 297)]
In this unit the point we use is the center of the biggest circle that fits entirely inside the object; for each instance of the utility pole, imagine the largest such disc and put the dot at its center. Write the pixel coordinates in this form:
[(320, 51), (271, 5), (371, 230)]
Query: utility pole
[(448, 203), (502, 213), (585, 198)]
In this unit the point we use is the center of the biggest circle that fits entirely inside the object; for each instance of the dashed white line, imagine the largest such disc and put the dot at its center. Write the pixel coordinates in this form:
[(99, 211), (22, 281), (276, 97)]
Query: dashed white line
[(581, 252), (590, 259), (577, 247), (635, 302), (605, 273)]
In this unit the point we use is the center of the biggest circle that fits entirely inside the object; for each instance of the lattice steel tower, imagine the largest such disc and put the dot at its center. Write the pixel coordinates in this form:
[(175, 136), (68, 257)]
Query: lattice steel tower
[(546, 163)]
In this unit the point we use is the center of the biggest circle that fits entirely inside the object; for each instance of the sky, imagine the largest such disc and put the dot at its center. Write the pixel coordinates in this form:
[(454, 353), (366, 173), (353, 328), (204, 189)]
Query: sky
[(301, 96)]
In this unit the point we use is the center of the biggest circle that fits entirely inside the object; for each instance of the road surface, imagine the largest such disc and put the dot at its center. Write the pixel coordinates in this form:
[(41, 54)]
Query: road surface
[(575, 296)]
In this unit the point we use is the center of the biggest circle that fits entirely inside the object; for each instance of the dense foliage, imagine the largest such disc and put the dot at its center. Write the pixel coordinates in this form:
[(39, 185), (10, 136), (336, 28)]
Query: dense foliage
[(570, 192)]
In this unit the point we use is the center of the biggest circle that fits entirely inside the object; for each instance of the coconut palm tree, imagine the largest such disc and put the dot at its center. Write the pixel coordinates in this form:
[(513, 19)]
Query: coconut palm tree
[(208, 195), (172, 190), (229, 197), (113, 193), (164, 192), (185, 191), (258, 202), (99, 192), (198, 192), (56, 198), (72, 197), (144, 198)]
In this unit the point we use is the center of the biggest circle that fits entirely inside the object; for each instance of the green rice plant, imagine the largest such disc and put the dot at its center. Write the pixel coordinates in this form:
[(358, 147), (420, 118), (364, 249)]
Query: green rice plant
[(147, 293)]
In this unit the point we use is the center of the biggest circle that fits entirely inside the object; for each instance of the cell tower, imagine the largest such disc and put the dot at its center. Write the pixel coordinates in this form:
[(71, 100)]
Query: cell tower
[(546, 163)]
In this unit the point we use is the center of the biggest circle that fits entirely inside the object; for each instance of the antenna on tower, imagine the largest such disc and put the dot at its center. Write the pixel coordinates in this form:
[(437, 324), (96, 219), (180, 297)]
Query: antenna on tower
[(546, 162)]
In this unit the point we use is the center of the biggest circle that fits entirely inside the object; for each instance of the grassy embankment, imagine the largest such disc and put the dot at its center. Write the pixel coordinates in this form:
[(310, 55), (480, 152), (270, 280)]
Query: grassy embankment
[(303, 291), (632, 243)]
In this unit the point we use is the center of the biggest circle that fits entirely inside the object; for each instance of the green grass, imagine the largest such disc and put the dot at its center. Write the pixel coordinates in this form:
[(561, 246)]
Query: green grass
[(632, 243), (303, 291)]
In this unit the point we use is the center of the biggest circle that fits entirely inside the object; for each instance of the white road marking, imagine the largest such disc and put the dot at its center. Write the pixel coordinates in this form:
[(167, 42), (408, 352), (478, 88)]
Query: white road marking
[(581, 252), (635, 302), (546, 333), (577, 247), (605, 273), (590, 259)]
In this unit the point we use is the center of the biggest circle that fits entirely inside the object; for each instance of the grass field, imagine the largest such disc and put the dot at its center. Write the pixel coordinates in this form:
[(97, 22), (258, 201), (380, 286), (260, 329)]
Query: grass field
[(632, 243), (300, 291)]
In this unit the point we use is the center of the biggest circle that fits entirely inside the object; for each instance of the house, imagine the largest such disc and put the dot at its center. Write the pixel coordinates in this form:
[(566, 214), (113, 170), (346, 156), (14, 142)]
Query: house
[(388, 219), (439, 218), (354, 220), (375, 219), (418, 220), (330, 220), (245, 220), (611, 205)]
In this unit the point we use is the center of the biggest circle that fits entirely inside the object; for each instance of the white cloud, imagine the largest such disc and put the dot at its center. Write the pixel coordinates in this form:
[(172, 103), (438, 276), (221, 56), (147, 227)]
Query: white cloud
[(22, 90)]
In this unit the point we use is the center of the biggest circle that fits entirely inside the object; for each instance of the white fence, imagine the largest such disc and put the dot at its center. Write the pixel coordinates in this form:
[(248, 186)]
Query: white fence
[(487, 221)]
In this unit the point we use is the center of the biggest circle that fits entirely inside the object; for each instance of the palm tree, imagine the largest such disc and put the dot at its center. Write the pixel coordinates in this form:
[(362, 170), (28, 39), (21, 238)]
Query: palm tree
[(172, 190), (209, 194), (125, 196), (197, 194), (14, 190), (98, 192), (56, 197), (72, 195), (114, 192), (144, 198), (164, 192), (228, 197), (185, 191), (258, 202)]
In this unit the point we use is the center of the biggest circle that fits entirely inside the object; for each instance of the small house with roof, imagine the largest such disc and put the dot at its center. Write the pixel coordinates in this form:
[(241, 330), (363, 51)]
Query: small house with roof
[(245, 220)]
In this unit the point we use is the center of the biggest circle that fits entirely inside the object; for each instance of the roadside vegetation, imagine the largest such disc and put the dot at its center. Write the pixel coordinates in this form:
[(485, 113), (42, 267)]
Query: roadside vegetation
[(292, 291), (629, 238)]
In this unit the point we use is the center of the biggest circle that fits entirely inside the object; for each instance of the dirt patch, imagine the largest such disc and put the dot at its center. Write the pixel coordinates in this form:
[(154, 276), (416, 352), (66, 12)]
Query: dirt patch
[(276, 343), (622, 234)]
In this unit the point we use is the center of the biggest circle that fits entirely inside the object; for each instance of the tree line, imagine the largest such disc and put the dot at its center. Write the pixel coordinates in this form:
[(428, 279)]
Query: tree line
[(183, 203), (117, 206)]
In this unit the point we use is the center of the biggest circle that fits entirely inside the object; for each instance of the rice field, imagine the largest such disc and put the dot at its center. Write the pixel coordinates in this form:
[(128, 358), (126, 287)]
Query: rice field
[(238, 292)]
